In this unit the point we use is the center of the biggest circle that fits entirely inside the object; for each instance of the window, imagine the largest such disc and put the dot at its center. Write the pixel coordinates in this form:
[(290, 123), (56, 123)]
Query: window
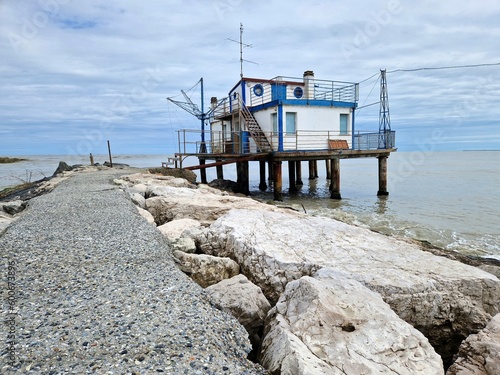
[(344, 123), (298, 92), (290, 122), (258, 90), (274, 120)]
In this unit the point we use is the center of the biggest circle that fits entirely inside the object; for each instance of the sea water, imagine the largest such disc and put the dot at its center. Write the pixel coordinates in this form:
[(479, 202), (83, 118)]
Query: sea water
[(451, 199)]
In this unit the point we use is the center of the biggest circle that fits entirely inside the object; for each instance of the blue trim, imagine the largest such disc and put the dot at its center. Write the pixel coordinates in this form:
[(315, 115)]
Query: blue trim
[(303, 103), (352, 128), (243, 92), (280, 128), (278, 91)]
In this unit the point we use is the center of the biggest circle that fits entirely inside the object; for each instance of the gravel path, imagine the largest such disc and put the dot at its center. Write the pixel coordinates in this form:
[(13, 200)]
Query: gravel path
[(97, 291)]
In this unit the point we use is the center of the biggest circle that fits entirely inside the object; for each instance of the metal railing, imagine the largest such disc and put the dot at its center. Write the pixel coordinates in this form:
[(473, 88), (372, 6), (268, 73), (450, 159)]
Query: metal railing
[(283, 88), (374, 141), (220, 142)]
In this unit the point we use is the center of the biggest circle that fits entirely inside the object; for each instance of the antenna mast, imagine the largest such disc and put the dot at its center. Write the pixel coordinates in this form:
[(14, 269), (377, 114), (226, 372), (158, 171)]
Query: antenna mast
[(241, 50), (384, 128)]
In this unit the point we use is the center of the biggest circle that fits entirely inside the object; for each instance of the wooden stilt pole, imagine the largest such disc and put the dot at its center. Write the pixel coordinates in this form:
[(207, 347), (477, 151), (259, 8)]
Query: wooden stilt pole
[(262, 170), (291, 176), (335, 179), (242, 177), (328, 169), (315, 169), (382, 176), (311, 170), (278, 194), (270, 178), (220, 171), (298, 169), (203, 172)]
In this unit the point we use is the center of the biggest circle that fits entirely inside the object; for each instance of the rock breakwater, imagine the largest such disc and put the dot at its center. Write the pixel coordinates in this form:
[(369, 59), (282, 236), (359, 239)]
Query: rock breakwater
[(301, 262)]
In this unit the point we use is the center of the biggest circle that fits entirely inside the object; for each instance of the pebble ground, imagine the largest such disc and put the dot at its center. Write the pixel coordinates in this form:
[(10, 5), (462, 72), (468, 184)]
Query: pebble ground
[(97, 292)]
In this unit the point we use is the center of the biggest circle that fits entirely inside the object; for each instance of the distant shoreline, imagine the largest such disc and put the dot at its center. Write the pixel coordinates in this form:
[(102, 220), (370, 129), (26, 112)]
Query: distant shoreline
[(479, 150), (6, 159)]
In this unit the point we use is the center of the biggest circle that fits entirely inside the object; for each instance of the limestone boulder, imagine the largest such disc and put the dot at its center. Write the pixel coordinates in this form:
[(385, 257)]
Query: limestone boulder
[(444, 299), (186, 245), (338, 326), (174, 229), (138, 199), (5, 221), (204, 269), (13, 207), (244, 300), (479, 354), (203, 204), (146, 215)]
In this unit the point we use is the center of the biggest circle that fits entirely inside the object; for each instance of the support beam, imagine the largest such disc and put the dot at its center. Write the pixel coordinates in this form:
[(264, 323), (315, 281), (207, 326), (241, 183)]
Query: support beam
[(382, 176), (328, 169), (312, 174), (278, 183), (291, 176), (220, 170), (335, 179), (298, 170), (262, 170), (243, 180), (203, 172), (270, 177), (316, 169)]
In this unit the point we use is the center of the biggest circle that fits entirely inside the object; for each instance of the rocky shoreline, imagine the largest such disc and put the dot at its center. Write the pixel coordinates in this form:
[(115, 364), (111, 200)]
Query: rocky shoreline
[(317, 296)]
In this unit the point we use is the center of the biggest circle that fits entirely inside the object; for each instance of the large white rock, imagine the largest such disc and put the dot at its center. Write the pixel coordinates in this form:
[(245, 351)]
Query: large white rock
[(204, 204), (338, 326), (146, 215), (479, 354), (206, 270), (5, 220), (13, 207), (174, 229), (438, 296), (244, 300)]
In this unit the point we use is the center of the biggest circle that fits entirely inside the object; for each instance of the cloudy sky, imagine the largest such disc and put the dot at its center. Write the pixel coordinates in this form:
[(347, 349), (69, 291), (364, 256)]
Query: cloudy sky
[(74, 74)]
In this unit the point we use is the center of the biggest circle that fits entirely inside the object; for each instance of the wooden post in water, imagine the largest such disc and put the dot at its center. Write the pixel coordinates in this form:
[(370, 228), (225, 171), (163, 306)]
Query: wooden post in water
[(110, 158), (278, 183), (91, 159), (291, 176), (220, 171), (311, 170), (328, 169), (203, 172), (242, 177), (298, 170), (335, 179), (270, 177), (262, 174), (382, 176), (316, 169)]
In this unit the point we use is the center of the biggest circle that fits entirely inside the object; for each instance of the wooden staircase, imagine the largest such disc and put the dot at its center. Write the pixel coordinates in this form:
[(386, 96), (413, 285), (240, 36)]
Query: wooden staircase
[(263, 144)]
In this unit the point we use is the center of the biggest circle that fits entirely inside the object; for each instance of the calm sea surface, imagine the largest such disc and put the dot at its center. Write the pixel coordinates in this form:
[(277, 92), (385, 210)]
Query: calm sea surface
[(451, 199)]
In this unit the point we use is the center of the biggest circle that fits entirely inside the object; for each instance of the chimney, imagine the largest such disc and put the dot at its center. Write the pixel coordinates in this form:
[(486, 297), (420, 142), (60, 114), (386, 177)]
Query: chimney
[(309, 84), (213, 102)]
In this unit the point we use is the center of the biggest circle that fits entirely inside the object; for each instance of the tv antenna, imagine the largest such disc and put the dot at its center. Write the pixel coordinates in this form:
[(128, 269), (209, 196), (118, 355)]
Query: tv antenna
[(240, 42)]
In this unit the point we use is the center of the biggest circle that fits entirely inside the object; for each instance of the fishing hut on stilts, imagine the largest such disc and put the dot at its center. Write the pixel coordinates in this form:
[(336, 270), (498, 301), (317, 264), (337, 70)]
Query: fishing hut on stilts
[(285, 120)]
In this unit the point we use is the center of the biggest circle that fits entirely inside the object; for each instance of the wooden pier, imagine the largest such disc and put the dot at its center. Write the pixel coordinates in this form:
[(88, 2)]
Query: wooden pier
[(294, 159)]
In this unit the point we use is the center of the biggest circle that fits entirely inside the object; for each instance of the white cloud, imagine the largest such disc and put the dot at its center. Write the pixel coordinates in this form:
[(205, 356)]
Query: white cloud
[(72, 69)]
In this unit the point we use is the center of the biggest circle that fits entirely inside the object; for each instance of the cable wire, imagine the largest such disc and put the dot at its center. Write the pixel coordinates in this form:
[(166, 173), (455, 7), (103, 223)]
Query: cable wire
[(444, 67)]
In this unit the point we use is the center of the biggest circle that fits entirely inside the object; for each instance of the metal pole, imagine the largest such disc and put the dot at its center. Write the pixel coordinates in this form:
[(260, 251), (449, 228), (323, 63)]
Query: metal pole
[(110, 159)]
